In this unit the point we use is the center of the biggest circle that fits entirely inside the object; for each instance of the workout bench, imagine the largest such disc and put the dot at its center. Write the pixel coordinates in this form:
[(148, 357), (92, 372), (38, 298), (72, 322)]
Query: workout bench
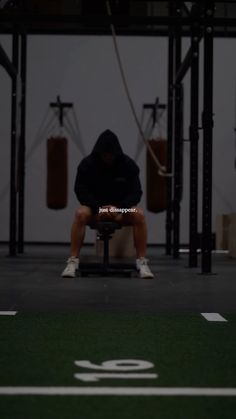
[(105, 230)]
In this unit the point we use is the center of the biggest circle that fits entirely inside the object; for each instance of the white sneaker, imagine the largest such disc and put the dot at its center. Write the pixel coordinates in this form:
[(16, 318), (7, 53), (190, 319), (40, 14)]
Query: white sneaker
[(72, 266), (143, 268)]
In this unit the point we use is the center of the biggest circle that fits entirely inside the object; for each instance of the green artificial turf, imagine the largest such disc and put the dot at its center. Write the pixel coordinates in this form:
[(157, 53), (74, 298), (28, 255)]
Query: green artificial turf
[(186, 350)]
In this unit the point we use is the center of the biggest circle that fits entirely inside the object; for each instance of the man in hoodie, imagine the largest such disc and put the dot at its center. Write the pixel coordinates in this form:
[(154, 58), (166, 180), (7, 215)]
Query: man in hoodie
[(107, 186)]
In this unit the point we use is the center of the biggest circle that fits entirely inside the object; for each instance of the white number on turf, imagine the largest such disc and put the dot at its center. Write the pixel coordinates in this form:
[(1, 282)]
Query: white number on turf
[(117, 365)]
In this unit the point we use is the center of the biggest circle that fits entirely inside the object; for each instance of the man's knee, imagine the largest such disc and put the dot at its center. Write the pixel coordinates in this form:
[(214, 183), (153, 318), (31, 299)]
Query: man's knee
[(83, 215), (138, 216)]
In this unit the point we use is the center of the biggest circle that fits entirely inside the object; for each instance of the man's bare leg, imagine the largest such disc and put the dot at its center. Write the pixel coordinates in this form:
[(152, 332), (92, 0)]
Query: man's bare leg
[(82, 217), (137, 220), (140, 233)]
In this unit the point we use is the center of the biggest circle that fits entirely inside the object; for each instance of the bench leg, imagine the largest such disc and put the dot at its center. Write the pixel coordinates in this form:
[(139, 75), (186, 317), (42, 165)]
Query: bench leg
[(106, 252)]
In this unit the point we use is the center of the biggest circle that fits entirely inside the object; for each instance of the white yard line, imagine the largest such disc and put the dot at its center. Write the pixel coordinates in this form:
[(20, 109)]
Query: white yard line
[(97, 376), (118, 391), (213, 317), (8, 313)]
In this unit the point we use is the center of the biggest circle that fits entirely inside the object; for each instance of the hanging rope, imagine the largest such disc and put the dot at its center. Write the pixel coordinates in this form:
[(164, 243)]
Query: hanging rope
[(161, 169)]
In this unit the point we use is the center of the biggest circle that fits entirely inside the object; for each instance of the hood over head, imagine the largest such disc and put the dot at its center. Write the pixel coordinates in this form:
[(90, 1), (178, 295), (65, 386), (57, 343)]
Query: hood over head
[(107, 142)]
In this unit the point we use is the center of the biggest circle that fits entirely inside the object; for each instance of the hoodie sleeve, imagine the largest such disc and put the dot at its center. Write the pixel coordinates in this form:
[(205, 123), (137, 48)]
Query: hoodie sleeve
[(82, 188), (135, 189)]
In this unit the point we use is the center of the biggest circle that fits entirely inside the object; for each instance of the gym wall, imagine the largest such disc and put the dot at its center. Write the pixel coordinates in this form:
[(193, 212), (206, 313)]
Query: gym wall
[(84, 70)]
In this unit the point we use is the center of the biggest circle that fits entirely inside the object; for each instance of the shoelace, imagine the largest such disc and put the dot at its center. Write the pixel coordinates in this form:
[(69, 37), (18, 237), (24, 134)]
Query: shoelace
[(71, 260), (144, 262)]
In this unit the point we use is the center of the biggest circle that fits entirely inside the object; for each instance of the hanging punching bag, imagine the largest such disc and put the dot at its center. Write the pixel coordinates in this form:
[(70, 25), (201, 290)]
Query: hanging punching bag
[(57, 175), (156, 184)]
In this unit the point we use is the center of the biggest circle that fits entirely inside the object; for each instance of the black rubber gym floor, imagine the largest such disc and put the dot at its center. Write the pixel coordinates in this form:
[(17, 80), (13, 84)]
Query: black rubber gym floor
[(32, 282)]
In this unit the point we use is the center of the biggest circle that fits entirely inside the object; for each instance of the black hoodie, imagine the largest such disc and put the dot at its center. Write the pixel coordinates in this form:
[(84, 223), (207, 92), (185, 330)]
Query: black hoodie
[(98, 184)]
